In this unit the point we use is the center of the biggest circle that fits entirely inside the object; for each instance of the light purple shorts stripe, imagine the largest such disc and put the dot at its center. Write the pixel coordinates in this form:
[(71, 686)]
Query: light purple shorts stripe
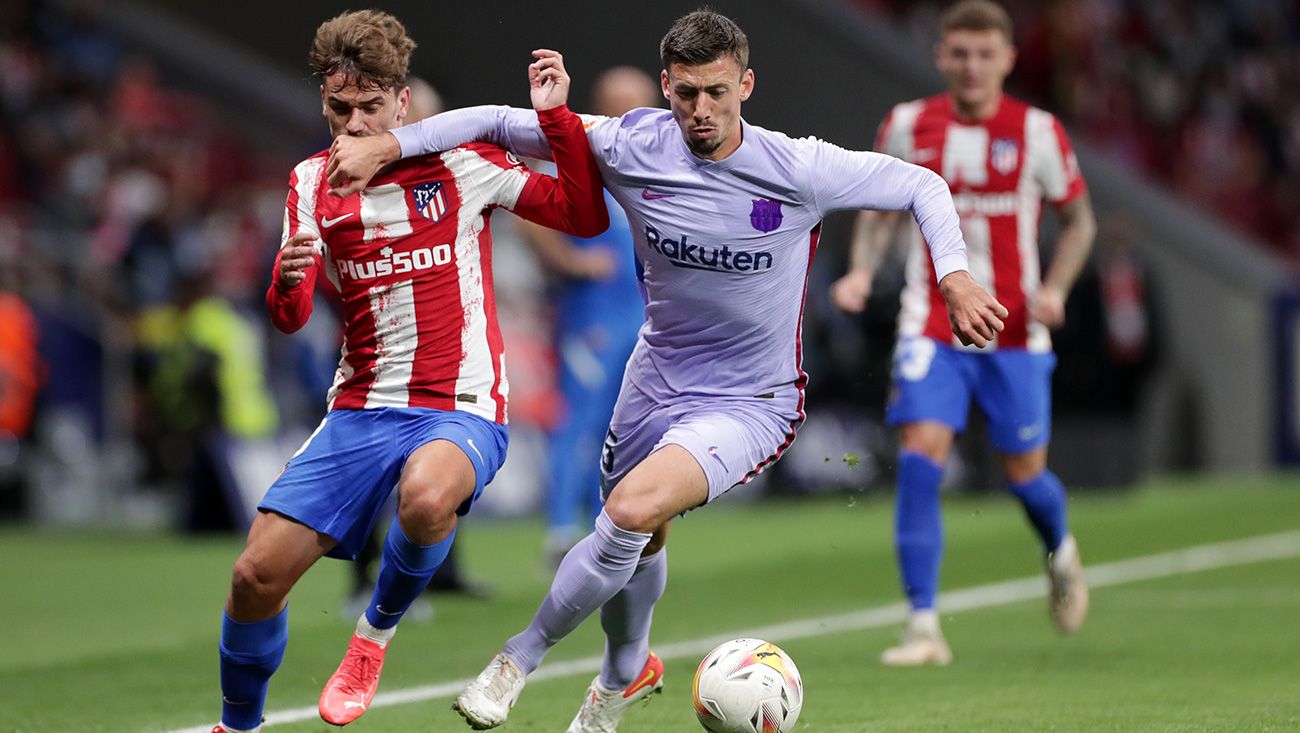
[(732, 438)]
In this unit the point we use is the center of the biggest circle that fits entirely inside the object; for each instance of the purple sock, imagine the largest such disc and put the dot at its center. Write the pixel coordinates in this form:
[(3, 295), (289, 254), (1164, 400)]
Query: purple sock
[(593, 571), (626, 621)]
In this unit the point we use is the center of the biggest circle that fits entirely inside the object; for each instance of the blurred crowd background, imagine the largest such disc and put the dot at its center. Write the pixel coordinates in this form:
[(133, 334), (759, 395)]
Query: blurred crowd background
[(141, 383)]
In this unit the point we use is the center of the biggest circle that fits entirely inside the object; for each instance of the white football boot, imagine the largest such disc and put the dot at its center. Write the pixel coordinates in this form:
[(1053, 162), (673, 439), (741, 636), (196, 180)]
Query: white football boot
[(922, 644), (602, 709), (1068, 599), (486, 701)]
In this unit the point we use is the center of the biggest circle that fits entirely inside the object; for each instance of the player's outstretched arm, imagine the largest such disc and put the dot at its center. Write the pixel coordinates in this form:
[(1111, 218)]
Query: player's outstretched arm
[(353, 161), (289, 299)]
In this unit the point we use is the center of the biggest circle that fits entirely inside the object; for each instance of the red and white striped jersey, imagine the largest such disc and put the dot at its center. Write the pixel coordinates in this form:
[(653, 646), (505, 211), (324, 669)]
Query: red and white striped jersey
[(999, 171), (411, 257)]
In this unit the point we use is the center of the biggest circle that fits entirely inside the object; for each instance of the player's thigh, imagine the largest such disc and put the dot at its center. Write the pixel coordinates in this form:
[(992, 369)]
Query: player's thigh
[(1015, 394), (929, 385), (449, 457), (668, 482), (635, 428), (338, 481)]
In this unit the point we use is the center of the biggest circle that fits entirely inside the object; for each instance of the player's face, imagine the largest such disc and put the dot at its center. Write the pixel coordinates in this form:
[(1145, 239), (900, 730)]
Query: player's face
[(975, 63), (705, 101), (361, 109)]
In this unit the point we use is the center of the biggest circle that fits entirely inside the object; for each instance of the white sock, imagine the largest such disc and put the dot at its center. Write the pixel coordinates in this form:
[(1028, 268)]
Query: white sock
[(379, 636), (228, 729), (926, 619)]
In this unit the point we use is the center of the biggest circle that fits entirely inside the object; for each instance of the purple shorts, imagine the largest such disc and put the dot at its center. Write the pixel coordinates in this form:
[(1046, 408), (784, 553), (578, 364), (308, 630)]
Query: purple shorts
[(732, 438)]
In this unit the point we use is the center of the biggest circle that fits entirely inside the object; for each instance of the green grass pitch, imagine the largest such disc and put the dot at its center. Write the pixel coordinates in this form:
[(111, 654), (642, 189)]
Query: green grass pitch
[(117, 632)]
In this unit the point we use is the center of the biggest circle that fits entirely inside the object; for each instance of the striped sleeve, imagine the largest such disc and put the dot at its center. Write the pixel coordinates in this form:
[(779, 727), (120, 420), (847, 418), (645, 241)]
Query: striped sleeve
[(1052, 158)]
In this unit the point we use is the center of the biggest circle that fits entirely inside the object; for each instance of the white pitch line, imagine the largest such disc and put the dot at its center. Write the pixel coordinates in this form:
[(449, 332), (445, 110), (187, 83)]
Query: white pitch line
[(1177, 562)]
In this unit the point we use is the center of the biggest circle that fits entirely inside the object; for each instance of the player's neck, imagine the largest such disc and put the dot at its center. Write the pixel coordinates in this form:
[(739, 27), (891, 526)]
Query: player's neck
[(976, 113)]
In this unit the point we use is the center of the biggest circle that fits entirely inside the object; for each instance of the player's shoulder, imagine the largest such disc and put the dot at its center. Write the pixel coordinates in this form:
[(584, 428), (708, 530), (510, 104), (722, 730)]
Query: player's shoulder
[(476, 154), (312, 167)]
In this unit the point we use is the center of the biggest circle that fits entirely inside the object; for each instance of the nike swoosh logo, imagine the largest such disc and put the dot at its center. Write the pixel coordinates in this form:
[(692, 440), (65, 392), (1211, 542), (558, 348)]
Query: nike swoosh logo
[(648, 196), (327, 223), (476, 450), (636, 686), (348, 704)]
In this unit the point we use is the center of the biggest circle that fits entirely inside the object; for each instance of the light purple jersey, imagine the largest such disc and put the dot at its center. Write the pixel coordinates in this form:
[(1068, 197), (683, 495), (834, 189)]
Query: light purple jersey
[(724, 246)]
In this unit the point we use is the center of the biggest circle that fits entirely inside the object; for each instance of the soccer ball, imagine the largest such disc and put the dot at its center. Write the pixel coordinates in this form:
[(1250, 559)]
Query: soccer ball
[(747, 686)]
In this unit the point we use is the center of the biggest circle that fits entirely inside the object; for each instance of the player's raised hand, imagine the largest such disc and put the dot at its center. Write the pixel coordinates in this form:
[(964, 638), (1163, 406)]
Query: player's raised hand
[(296, 256), (1047, 306), (353, 161), (850, 292), (548, 82), (976, 318)]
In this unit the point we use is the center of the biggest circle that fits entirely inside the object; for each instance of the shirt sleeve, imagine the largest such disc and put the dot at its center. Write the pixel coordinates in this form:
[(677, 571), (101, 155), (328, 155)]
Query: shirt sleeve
[(574, 200), (290, 307), (516, 130), (847, 179), (1054, 164)]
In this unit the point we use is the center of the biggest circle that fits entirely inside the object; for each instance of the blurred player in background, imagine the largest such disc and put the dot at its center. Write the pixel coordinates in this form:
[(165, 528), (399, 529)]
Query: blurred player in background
[(596, 323), (725, 219), (419, 400), (1001, 158)]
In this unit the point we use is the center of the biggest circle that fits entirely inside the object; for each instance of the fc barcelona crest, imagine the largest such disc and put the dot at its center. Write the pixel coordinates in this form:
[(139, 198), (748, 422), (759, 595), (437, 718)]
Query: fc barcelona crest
[(430, 200), (766, 215), (1004, 155)]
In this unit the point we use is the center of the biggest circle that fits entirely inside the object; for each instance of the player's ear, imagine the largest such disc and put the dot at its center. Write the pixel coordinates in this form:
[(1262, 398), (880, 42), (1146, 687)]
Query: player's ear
[(746, 84), (403, 104), (324, 104), (663, 82)]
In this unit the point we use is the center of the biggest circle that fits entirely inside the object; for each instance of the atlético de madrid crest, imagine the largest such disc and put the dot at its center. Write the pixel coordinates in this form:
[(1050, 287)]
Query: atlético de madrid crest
[(766, 215), (1004, 155), (430, 200)]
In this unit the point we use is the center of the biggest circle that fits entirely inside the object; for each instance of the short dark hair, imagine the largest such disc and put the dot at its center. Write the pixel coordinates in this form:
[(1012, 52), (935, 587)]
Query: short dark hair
[(976, 15), (704, 36), (369, 47)]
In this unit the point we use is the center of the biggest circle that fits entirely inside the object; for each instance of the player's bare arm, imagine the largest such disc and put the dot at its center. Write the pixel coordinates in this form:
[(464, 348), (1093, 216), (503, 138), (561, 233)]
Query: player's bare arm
[(1078, 229), (297, 255), (975, 316), (872, 233)]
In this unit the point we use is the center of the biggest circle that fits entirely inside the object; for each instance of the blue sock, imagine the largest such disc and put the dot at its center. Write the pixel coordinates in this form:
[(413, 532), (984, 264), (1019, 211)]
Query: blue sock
[(250, 654), (918, 528), (1044, 501), (404, 571)]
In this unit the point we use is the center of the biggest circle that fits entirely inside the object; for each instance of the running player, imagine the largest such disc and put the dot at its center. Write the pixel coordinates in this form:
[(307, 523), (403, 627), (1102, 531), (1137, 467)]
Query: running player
[(419, 400), (1001, 158), (725, 218)]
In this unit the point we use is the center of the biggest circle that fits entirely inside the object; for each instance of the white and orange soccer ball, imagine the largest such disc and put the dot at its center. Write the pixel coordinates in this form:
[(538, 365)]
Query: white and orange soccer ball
[(747, 686)]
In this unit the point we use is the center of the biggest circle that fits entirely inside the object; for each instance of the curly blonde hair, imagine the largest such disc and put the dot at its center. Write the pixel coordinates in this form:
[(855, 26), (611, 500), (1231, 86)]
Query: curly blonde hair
[(369, 47)]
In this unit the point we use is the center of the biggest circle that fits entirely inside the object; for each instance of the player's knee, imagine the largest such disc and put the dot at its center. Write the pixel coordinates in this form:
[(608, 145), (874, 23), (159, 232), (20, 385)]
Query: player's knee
[(1025, 466), (429, 514), (255, 583), (634, 514)]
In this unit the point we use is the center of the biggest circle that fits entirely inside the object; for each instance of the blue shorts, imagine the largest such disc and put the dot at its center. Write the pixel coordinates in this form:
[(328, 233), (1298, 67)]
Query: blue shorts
[(339, 479), (1013, 388)]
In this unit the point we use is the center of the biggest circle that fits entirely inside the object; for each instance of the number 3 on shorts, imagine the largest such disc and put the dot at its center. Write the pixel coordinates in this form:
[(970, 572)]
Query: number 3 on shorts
[(913, 357)]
